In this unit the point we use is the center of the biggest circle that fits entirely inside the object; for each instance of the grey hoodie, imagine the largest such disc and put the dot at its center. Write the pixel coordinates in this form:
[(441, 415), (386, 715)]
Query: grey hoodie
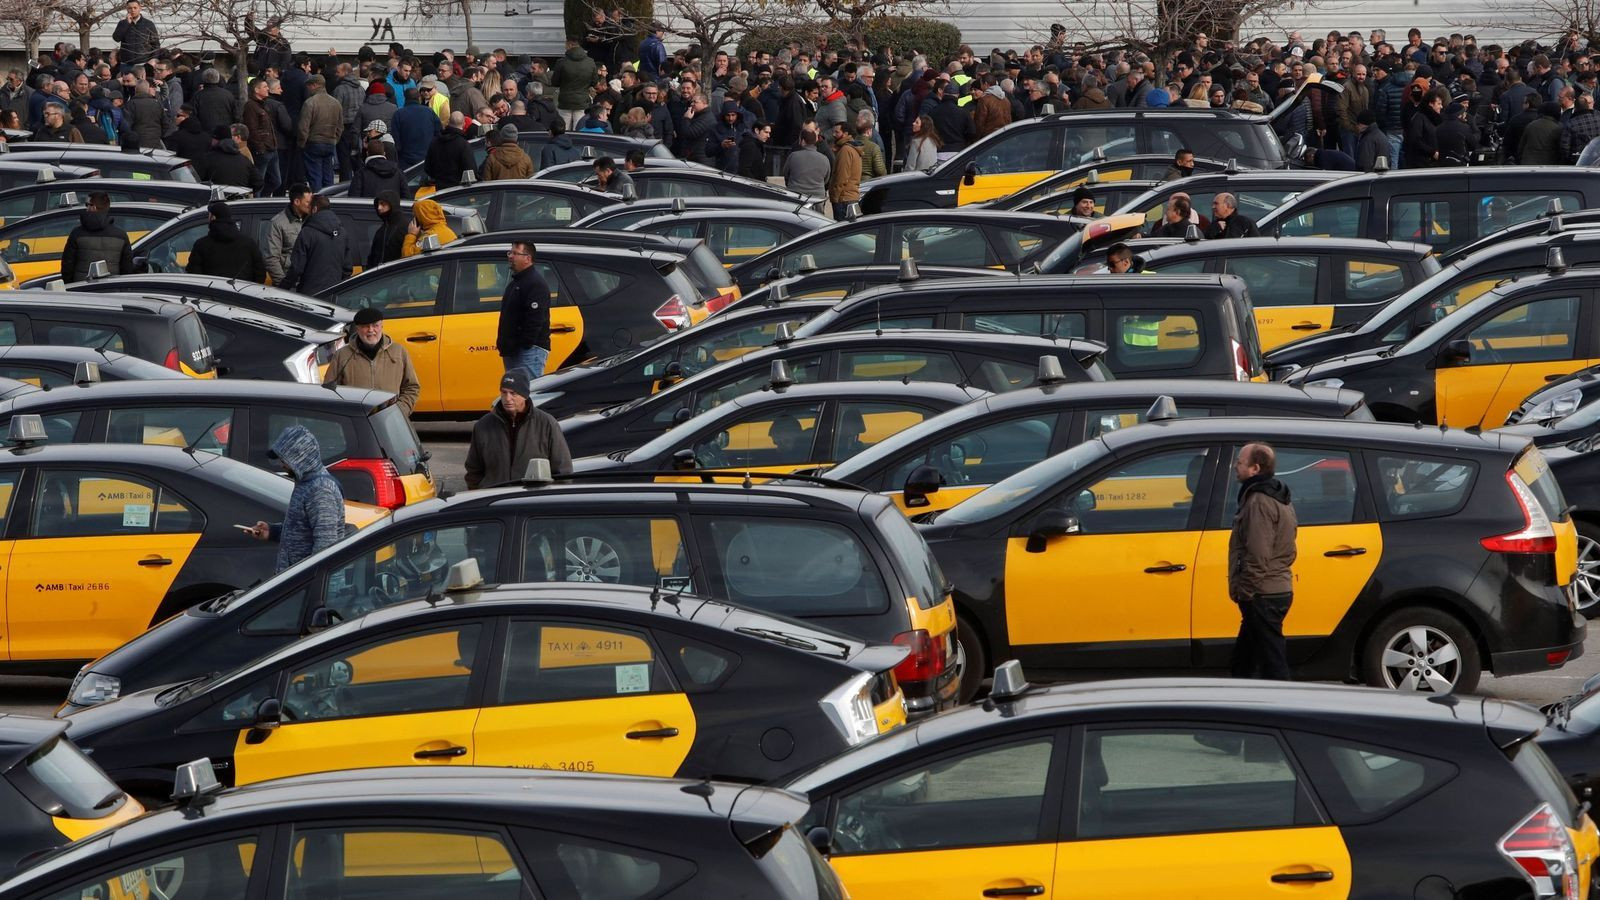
[(315, 517)]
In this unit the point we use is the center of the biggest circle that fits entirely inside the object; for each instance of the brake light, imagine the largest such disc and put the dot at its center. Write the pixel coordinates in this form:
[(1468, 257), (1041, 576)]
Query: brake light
[(1541, 848), (171, 361), (389, 490), (673, 314), (1536, 536), (927, 659), (1241, 362), (719, 302)]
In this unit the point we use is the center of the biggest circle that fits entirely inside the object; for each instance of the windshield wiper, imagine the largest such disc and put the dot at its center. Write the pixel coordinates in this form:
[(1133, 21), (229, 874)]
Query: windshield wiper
[(619, 455), (779, 637), (220, 604)]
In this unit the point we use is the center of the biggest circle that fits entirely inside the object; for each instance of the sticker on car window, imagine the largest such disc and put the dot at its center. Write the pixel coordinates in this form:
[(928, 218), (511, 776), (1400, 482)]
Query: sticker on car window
[(633, 679), (136, 515)]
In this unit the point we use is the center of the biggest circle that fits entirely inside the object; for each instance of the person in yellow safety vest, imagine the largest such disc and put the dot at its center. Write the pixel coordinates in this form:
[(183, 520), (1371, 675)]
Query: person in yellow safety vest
[(1143, 332)]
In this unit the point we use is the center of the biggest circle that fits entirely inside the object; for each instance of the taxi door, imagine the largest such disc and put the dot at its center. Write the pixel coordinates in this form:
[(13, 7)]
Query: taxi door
[(1338, 546), (1290, 293), (410, 297), (1199, 811), (1131, 559), (1509, 354), (1004, 164), (58, 607), (473, 324), (970, 460), (8, 492), (584, 697), (398, 700)]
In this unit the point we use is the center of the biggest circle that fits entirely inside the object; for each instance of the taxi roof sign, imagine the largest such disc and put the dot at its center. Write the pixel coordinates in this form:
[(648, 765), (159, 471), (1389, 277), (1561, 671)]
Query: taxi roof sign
[(464, 575), (98, 270), (26, 429), (195, 782), (1163, 410), (86, 372), (538, 471)]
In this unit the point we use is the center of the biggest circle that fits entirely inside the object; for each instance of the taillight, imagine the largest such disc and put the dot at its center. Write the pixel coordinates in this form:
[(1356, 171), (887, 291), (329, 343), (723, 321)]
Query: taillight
[(1241, 363), (1536, 536), (927, 659), (171, 361), (672, 314), (1541, 848), (720, 301), (389, 490)]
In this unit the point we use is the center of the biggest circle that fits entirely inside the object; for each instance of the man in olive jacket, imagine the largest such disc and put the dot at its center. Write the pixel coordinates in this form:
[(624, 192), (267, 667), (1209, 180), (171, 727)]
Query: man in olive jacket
[(574, 75), (1261, 551), (511, 433), (373, 360)]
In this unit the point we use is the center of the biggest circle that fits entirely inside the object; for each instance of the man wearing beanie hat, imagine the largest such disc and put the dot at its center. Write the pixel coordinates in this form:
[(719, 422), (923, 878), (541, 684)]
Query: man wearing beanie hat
[(511, 433), (1083, 202), (373, 360), (1371, 143), (224, 251), (506, 158)]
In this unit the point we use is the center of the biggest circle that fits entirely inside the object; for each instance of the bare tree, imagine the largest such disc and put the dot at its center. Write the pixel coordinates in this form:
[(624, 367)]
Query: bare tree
[(25, 23), (232, 24), (1540, 19), (427, 9), (850, 16), (1162, 28), (86, 15), (718, 24)]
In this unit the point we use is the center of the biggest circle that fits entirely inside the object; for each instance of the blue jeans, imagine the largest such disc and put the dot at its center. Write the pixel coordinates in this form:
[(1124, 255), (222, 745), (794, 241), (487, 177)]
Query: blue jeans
[(271, 174), (533, 359), (322, 165)]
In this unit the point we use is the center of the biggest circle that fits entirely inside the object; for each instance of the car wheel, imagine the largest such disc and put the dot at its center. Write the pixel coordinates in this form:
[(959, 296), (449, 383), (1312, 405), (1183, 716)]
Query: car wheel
[(975, 661), (1421, 649), (593, 558), (1586, 584)]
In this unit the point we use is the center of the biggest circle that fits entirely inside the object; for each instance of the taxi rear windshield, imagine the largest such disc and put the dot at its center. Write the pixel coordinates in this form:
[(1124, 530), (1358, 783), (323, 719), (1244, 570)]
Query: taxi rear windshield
[(194, 345), (796, 567), (398, 441), (1535, 473), (58, 776)]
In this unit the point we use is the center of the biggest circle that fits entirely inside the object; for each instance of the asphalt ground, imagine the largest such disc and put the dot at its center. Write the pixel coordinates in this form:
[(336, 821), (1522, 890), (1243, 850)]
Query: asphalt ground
[(447, 441)]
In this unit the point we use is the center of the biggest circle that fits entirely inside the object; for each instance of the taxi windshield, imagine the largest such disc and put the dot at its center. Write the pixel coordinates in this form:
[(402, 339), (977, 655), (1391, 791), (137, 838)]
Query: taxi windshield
[(1010, 494), (1441, 329)]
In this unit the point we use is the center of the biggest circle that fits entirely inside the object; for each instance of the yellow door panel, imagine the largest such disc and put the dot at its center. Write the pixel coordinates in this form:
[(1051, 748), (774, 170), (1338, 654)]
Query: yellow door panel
[(1237, 865), (57, 608), (1281, 324), (469, 365), (423, 338), (1113, 598), (78, 829), (26, 270), (950, 874), (1521, 380), (1324, 586), (988, 187), (589, 735), (295, 748), (389, 854), (1463, 394), (943, 498)]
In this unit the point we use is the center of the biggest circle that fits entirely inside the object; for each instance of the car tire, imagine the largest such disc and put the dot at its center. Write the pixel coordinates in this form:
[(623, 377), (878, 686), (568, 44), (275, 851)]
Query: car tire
[(1450, 661), (976, 661), (599, 557), (1586, 587)]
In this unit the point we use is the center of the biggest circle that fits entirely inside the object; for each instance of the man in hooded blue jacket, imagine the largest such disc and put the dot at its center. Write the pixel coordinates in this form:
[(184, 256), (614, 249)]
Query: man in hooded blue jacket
[(315, 518)]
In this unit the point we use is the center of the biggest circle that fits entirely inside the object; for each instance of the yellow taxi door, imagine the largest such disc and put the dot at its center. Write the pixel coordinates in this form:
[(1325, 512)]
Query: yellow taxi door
[(1338, 545), (970, 825), (1201, 812), (1131, 559), (1004, 165), (396, 701), (472, 326), (584, 697), (8, 490), (1508, 356), (413, 308), (1288, 294), (138, 536)]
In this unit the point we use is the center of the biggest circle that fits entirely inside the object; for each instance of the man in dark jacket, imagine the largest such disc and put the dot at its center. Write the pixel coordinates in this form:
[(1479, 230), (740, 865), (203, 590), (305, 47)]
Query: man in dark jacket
[(560, 149), (1457, 139), (953, 122), (523, 336), (753, 152), (1227, 221), (1372, 144), (450, 154), (144, 116), (216, 103), (1261, 550), (263, 139), (321, 255), (315, 517), (378, 173), (55, 128), (96, 240), (224, 164), (225, 252), (1422, 134), (389, 241), (573, 75), (415, 127), (189, 140), (1541, 139), (723, 144), (136, 37), (510, 434)]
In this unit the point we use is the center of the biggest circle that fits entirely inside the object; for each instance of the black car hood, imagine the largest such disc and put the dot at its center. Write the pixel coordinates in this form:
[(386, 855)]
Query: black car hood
[(886, 182), (1341, 365), (89, 727), (1313, 349)]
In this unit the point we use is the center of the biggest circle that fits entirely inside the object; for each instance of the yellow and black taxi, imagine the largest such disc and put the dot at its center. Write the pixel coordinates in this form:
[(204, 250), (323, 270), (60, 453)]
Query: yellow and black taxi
[(158, 523), (51, 793), (626, 215), (277, 303), (251, 344), (444, 306), (48, 367), (1258, 192), (1108, 172), (20, 201), (1154, 326), (787, 427), (735, 235), (1444, 208), (1426, 555), (1300, 286), (751, 545), (1476, 365), (32, 246), (516, 203), (1460, 281), (990, 362), (1568, 448), (1559, 412), (111, 162), (973, 238), (160, 331), (472, 834), (1208, 788), (944, 460), (363, 435)]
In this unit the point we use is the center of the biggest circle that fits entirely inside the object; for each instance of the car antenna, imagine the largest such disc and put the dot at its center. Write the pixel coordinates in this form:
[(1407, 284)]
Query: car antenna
[(190, 447), (101, 347), (657, 596)]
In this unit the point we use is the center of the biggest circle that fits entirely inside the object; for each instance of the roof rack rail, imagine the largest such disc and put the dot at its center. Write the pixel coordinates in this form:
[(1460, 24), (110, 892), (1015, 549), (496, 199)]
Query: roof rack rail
[(709, 476)]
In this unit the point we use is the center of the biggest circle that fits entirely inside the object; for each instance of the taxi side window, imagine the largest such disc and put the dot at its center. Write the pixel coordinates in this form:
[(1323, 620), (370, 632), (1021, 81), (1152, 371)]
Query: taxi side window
[(861, 425), (332, 434), (1424, 220), (986, 797), (606, 550), (408, 293), (85, 504), (1321, 483), (894, 365), (1277, 280), (999, 376), (1174, 781), (1027, 150), (552, 662), (1369, 279), (893, 322), (771, 436), (1156, 340), (411, 567), (948, 245), (1503, 209), (1361, 783), (803, 370), (984, 455), (204, 428), (741, 240), (1034, 324), (795, 566), (1540, 330), (677, 187), (37, 376), (369, 861), (216, 869), (59, 427), (8, 337), (479, 286), (1082, 140), (37, 241), (1103, 421), (718, 347), (569, 867), (103, 337), (595, 285), (1458, 296), (406, 674), (676, 229), (1150, 494), (1338, 219), (1417, 487), (527, 210), (1017, 245), (858, 248), (282, 617), (172, 254)]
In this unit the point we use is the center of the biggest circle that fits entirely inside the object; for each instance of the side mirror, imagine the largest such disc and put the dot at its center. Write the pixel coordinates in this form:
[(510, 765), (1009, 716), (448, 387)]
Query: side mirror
[(324, 618), (682, 415), (141, 264), (822, 839), (1050, 523), (969, 176), (1456, 352), (269, 715), (673, 371), (683, 460), (922, 481)]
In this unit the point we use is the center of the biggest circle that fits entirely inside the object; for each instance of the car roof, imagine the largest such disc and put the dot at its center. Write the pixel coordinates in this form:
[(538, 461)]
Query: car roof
[(630, 494), (159, 209), (1255, 246), (650, 162), (21, 735), (599, 237), (265, 320), (729, 202), (88, 185), (172, 459), (864, 390), (1341, 432), (737, 215), (1096, 283), (76, 300), (521, 184), (68, 353), (936, 337), (1181, 390), (174, 283), (1454, 176), (852, 273), (198, 389)]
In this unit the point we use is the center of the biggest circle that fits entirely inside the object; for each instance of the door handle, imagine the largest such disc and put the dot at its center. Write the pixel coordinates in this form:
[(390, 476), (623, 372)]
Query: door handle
[(421, 338), (1294, 877), (563, 329), (1163, 570), (441, 753), (155, 561), (1306, 326), (1347, 551), (652, 733), (1555, 377), (1021, 890)]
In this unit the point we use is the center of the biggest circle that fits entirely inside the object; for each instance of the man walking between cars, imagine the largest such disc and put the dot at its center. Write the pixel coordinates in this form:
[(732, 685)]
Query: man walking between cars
[(512, 432), (373, 360), (1261, 551), (523, 338), (96, 239), (315, 517)]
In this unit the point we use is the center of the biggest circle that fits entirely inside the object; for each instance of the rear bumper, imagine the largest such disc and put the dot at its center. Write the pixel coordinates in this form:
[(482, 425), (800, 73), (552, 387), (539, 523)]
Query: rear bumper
[(923, 699), (1517, 662)]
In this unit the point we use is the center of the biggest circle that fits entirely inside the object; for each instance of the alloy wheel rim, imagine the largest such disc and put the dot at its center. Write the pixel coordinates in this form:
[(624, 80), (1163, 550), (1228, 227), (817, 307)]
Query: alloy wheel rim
[(1588, 577), (1421, 658), (591, 559)]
